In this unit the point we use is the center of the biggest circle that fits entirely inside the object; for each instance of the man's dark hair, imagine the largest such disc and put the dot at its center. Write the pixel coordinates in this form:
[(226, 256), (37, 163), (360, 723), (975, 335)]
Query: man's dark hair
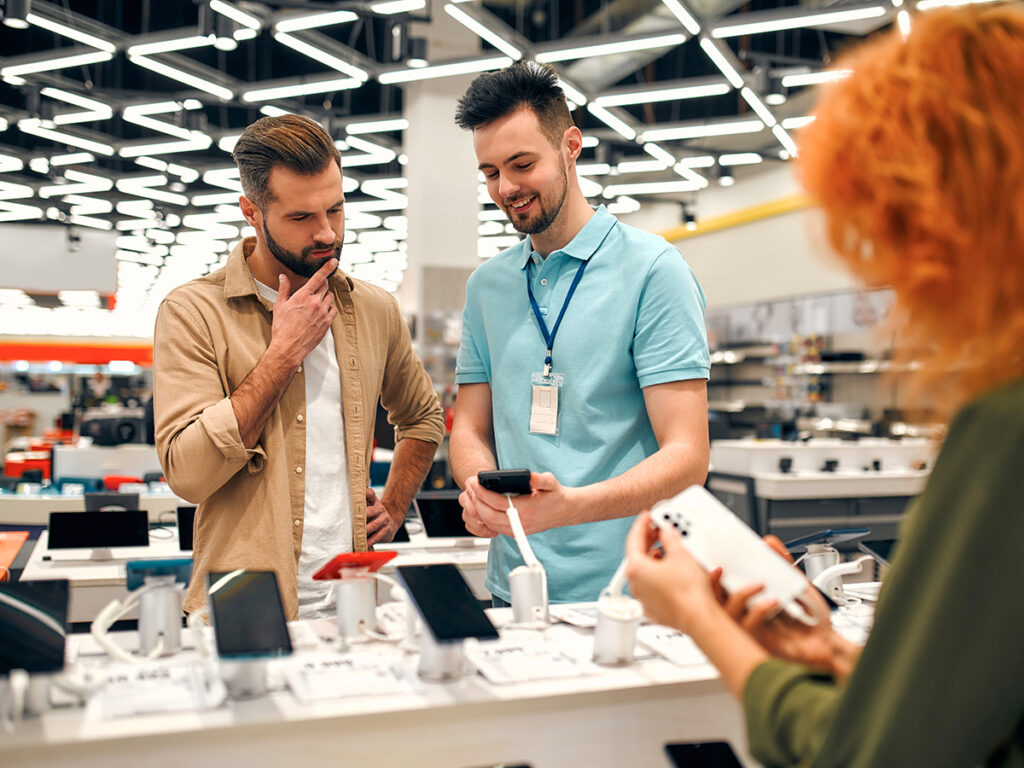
[(292, 141), (524, 85)]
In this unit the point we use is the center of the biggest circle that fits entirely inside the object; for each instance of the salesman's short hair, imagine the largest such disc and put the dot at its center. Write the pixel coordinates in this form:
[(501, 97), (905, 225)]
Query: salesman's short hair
[(524, 85)]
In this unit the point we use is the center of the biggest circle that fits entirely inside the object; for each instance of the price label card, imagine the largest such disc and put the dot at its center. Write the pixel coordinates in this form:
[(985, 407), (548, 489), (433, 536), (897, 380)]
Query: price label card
[(149, 689), (507, 662), (342, 677), (672, 645)]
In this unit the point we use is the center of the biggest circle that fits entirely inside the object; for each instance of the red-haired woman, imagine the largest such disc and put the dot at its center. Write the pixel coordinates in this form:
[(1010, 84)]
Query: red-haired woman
[(918, 162)]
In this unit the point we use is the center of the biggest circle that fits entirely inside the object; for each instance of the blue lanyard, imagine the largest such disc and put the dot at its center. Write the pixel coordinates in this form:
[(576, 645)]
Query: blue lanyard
[(549, 338)]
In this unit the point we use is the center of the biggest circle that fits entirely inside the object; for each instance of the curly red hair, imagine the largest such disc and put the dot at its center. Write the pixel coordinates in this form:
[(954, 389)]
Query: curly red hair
[(918, 162)]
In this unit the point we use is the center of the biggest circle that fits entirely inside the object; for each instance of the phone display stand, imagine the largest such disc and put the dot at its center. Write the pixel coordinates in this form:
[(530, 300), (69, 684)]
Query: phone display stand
[(825, 569), (528, 585), (357, 606), (618, 617), (244, 678), (160, 615), (440, 662)]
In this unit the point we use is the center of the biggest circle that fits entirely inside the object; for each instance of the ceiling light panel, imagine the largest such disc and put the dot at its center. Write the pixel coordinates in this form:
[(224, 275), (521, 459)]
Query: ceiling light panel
[(797, 21), (315, 21), (444, 70), (70, 32), (59, 62), (607, 49), (651, 96), (683, 15), (484, 32), (320, 55), (703, 130)]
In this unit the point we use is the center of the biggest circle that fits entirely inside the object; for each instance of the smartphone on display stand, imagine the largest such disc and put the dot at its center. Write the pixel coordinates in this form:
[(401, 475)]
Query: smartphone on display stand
[(33, 622), (247, 615), (352, 561), (136, 571), (832, 536), (512, 481), (445, 602), (705, 754)]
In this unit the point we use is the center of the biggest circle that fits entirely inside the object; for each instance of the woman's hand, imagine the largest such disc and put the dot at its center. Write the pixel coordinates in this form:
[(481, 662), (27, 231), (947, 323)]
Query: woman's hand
[(781, 634), (669, 583)]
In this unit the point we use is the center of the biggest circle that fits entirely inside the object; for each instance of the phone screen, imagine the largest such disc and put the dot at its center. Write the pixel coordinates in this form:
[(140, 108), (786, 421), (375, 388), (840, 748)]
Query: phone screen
[(446, 603), (512, 481), (32, 624), (248, 617), (707, 754), (186, 527), (74, 530)]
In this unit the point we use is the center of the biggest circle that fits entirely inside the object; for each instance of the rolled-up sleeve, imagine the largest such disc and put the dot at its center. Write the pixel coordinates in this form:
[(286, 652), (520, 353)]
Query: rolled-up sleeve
[(789, 710), (197, 436), (406, 391)]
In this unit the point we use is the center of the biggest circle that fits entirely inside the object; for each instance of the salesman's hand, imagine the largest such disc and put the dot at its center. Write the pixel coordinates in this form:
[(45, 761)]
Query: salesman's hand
[(381, 525), (548, 505), (302, 318)]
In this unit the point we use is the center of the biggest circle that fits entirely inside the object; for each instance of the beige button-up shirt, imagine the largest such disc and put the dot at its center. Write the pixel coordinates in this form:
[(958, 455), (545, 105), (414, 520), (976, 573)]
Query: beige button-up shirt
[(210, 333)]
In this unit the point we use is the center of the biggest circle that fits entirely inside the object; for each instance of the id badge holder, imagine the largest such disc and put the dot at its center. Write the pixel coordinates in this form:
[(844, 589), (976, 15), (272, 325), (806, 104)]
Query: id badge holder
[(545, 413)]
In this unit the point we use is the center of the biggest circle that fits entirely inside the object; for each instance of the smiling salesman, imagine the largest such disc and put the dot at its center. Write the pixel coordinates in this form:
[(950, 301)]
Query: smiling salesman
[(584, 355), (266, 379)]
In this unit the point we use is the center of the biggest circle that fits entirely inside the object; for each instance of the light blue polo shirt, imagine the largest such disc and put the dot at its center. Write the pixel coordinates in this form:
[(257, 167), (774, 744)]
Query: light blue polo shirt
[(636, 319)]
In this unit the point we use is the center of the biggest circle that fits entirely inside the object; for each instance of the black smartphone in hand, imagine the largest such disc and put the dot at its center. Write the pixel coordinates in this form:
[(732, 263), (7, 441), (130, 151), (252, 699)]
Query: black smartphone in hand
[(512, 481)]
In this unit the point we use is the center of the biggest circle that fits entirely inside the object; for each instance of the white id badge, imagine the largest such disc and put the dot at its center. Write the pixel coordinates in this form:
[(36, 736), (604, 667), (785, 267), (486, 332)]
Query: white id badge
[(544, 413)]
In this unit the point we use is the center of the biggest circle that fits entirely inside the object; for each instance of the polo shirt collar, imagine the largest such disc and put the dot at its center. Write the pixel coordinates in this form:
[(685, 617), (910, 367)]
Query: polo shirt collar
[(587, 240), (238, 279)]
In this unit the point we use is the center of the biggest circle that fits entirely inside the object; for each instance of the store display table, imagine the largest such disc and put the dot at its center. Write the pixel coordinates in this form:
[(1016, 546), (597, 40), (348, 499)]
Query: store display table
[(602, 717)]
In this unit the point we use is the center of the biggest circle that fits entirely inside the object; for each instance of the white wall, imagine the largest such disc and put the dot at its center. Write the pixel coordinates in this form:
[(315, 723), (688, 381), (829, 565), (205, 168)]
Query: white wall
[(772, 258), (36, 258)]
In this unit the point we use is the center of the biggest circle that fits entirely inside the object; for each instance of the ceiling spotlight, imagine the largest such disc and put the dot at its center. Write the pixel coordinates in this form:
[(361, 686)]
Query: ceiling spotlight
[(417, 56), (689, 218), (224, 31), (16, 13), (725, 177), (775, 93)]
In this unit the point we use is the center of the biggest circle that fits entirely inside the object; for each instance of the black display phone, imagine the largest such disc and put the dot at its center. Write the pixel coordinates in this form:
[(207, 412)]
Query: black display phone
[(441, 514), (136, 571), (33, 620), (186, 527), (830, 536), (104, 501), (705, 754), (445, 603), (247, 615), (513, 481), (112, 528)]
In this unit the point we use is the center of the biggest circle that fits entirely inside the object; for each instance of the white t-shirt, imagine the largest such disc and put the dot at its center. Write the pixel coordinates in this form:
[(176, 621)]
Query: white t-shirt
[(327, 513)]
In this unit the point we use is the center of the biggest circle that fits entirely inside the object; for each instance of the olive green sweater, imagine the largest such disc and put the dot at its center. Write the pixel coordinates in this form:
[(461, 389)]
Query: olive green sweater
[(941, 680)]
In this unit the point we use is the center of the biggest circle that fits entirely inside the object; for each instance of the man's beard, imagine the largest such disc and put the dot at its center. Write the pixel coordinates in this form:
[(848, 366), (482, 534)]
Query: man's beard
[(547, 214), (300, 263)]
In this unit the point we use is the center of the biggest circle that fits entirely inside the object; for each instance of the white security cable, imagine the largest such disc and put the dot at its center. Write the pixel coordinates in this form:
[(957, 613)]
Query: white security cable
[(114, 610), (520, 535)]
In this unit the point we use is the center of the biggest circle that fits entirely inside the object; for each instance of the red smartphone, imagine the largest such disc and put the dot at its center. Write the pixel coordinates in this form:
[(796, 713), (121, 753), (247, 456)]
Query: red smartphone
[(367, 561)]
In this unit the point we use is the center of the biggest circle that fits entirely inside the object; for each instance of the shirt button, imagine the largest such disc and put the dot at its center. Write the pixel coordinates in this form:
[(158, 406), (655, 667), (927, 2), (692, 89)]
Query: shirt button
[(298, 470), (300, 369), (543, 281), (299, 417), (298, 523)]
